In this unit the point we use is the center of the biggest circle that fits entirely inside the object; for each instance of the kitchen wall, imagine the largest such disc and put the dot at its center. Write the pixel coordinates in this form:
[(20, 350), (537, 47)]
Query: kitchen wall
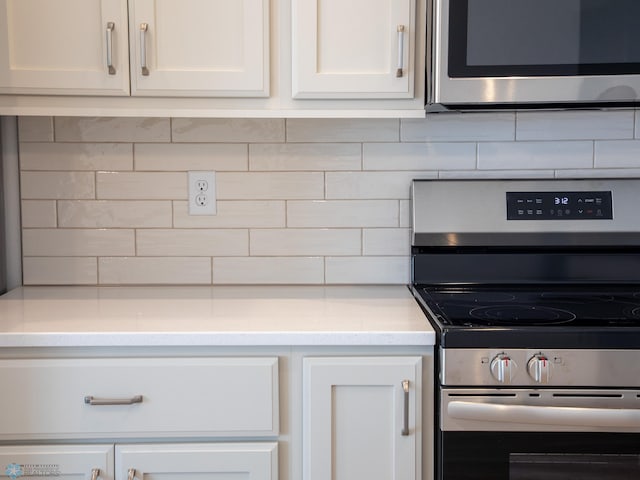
[(300, 201)]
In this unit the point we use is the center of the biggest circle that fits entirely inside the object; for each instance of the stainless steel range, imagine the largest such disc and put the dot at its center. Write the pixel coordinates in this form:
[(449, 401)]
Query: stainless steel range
[(533, 288)]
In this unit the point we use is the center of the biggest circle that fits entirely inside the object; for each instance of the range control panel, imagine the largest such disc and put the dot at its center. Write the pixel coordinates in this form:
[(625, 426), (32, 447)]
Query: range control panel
[(584, 205)]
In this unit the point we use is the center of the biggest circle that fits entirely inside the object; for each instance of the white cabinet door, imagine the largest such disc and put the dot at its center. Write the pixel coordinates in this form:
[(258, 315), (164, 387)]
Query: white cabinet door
[(193, 461), (353, 48), (199, 47), (64, 462), (64, 47), (359, 422)]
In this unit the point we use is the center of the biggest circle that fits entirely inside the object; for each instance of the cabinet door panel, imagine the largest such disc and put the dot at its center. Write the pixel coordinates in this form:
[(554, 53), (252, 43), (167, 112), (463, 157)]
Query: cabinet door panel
[(350, 48), (200, 47), (64, 462), (214, 461), (62, 46), (354, 417)]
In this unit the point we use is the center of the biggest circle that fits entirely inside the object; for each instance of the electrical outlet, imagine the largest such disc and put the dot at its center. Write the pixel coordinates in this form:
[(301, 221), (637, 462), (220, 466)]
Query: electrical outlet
[(202, 193)]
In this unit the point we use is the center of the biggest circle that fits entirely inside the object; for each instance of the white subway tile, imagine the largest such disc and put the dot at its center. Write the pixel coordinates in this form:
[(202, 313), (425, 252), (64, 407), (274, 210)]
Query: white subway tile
[(233, 214), (76, 156), (229, 130), (35, 129), (57, 185), (305, 156), (617, 154), (600, 173), (405, 213), (342, 213), (193, 242), (141, 185), (477, 174), (114, 214), (305, 242), (387, 241), (269, 185), (574, 125), (60, 270), (268, 270), (419, 156), (77, 242), (372, 185), (154, 271), (535, 155), (459, 127), (342, 130), (368, 270), (112, 129), (38, 213), (190, 156)]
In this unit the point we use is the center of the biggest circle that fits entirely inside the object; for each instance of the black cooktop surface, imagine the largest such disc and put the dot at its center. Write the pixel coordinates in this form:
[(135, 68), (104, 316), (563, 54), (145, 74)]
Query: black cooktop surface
[(567, 316)]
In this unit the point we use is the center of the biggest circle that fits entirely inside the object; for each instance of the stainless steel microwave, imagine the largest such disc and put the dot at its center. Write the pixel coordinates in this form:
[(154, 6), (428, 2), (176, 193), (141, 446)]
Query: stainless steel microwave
[(534, 52)]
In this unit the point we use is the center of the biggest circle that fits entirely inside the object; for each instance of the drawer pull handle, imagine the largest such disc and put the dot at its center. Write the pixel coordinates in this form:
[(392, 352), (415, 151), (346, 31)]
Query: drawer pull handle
[(405, 388), (399, 71), (131, 474), (95, 473), (143, 49), (91, 400), (110, 27)]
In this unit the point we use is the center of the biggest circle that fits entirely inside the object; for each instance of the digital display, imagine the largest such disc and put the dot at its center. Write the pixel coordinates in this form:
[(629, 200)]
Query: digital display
[(559, 206)]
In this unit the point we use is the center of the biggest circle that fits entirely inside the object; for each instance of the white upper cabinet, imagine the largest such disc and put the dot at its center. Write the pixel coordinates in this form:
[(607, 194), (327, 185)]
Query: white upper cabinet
[(353, 48), (64, 47), (199, 47)]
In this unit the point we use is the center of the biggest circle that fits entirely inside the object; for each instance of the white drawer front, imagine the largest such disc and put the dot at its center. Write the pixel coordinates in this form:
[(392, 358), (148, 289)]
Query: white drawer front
[(64, 462), (197, 461), (46, 398)]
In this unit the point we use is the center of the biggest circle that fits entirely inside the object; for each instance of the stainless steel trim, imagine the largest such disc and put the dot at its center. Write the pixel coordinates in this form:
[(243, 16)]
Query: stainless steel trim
[(399, 71), (143, 49), (540, 410), (91, 400), (476, 211), (405, 388), (569, 416), (110, 27), (596, 239), (567, 367)]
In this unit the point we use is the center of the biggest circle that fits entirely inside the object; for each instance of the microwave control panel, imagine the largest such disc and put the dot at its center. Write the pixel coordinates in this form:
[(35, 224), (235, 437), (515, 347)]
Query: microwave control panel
[(584, 205)]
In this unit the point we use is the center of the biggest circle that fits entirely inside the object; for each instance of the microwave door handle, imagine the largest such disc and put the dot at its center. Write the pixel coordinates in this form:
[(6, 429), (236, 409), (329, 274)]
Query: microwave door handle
[(544, 415)]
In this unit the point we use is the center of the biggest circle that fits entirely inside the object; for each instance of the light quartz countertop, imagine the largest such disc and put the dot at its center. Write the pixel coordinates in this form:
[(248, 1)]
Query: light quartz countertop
[(212, 316)]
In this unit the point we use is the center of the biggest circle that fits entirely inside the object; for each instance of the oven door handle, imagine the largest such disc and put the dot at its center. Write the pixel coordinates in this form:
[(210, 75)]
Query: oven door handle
[(545, 415)]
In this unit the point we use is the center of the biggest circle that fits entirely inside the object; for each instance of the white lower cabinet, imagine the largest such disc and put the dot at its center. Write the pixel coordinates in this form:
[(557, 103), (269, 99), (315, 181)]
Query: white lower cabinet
[(362, 418), (254, 461)]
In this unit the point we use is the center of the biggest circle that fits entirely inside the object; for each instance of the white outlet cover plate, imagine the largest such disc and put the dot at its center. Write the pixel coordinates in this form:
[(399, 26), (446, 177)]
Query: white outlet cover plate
[(202, 193)]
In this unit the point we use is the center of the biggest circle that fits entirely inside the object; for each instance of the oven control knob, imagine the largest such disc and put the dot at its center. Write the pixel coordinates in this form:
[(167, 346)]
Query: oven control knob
[(503, 368), (539, 368)]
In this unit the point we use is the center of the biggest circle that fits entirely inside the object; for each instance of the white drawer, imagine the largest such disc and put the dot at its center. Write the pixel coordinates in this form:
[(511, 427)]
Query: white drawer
[(64, 462), (177, 397), (195, 461)]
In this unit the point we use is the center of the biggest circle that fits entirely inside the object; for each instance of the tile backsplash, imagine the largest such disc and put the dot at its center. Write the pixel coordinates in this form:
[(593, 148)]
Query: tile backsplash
[(299, 201)]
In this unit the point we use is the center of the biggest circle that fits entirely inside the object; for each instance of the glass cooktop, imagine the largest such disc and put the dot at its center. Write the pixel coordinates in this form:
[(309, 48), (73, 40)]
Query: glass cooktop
[(562, 315)]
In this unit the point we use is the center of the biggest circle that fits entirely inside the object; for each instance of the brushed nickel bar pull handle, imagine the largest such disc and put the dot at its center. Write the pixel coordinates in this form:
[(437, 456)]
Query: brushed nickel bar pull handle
[(95, 473), (110, 27), (399, 71), (143, 48), (131, 474), (405, 428), (90, 400)]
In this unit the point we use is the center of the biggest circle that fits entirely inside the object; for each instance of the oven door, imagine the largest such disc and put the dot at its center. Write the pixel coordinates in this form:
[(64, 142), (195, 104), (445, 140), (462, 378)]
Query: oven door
[(515, 434)]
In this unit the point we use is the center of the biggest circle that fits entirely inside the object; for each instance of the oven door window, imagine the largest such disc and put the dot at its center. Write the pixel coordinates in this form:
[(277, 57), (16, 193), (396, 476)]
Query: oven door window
[(502, 38), (539, 456)]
